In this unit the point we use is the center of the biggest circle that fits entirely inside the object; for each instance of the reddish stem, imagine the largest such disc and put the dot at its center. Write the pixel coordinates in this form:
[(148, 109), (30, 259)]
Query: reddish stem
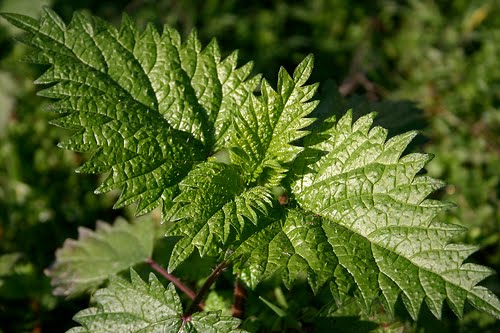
[(185, 289), (239, 296), (197, 301)]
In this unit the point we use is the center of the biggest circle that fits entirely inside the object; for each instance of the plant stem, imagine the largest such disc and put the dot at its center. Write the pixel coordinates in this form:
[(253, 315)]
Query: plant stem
[(239, 296), (185, 289), (204, 289)]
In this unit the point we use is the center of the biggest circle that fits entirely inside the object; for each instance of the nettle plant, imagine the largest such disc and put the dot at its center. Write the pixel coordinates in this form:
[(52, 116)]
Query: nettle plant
[(242, 173)]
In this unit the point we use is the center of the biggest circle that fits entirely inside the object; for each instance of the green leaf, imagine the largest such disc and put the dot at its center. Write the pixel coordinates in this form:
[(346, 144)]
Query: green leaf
[(148, 105), (295, 245), (364, 225), (378, 223), (83, 264), (137, 306), (153, 109), (213, 209), (266, 126), (279, 311)]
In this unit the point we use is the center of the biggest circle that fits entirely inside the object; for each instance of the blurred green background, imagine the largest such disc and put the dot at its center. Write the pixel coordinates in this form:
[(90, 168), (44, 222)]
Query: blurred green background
[(427, 65)]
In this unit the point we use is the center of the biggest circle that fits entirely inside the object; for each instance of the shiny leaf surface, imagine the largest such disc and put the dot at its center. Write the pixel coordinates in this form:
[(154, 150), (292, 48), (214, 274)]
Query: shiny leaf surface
[(378, 222), (147, 105)]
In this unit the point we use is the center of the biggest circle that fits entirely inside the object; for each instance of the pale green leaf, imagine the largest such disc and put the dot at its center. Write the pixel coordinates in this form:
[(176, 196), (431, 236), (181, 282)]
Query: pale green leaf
[(279, 311), (83, 264), (137, 306)]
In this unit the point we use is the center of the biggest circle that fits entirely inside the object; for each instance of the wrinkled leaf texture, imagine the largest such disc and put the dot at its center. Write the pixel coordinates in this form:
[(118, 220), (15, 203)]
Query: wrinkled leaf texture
[(137, 306), (365, 225), (147, 105), (154, 109)]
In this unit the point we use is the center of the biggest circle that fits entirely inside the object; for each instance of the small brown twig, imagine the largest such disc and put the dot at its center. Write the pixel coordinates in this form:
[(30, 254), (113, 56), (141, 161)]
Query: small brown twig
[(357, 77), (355, 80)]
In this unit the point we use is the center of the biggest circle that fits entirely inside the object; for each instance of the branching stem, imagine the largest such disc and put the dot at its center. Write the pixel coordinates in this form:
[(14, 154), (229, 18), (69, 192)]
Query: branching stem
[(185, 289), (195, 304)]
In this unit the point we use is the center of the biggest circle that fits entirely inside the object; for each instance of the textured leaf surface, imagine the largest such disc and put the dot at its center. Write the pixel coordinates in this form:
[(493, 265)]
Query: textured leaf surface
[(148, 105), (378, 222), (213, 210), (267, 125), (153, 109), (137, 306), (295, 244), (85, 263)]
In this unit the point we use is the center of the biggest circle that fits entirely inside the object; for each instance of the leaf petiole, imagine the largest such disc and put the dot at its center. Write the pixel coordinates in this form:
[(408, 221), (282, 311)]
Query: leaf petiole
[(170, 277), (204, 289)]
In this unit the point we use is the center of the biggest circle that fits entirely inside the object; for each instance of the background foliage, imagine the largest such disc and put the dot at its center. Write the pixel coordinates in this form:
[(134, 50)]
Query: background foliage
[(444, 56)]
